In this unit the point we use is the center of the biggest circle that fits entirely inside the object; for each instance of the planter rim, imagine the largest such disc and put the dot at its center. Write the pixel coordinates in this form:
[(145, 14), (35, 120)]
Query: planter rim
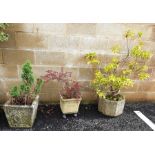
[(72, 99), (112, 100), (21, 106)]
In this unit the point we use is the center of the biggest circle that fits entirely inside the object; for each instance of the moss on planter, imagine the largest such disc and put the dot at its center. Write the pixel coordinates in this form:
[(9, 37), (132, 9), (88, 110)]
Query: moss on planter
[(21, 116), (111, 108)]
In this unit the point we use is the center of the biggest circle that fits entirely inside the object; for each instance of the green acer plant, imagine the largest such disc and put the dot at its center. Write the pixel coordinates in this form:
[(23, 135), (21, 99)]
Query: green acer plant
[(3, 35), (29, 87), (123, 68)]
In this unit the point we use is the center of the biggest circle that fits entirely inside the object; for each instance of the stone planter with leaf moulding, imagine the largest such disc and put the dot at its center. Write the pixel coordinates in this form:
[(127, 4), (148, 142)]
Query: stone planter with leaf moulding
[(21, 116)]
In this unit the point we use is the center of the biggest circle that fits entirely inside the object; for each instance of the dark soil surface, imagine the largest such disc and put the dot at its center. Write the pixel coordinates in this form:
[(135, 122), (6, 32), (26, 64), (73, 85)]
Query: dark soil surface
[(49, 118)]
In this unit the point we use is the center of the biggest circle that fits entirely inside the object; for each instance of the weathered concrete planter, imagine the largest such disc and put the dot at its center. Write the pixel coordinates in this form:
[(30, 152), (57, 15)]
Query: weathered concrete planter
[(111, 108), (69, 106), (21, 116)]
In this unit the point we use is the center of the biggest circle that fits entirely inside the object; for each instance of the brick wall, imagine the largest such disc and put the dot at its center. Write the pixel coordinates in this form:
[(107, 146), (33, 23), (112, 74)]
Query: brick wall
[(51, 46)]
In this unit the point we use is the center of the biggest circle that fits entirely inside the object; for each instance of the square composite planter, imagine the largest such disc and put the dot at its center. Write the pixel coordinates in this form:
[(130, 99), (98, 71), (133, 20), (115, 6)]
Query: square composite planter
[(69, 106), (111, 108), (21, 116)]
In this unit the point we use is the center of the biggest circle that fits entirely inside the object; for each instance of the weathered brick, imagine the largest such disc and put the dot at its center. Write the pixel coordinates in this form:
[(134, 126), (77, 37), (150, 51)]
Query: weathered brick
[(50, 28), (135, 96), (149, 45), (8, 71), (86, 74), (107, 58), (55, 96), (151, 71), (74, 71), (72, 59), (11, 43), (145, 28), (89, 96), (2, 86), (112, 42), (51, 97), (150, 96), (139, 96), (93, 43), (102, 43), (14, 57), (45, 98), (150, 33), (151, 62), (79, 60), (88, 43), (1, 56), (109, 30), (31, 41), (21, 27), (58, 42), (3, 97), (146, 86), (40, 70), (85, 85), (49, 86), (50, 58), (135, 88), (81, 29), (10, 83), (73, 42)]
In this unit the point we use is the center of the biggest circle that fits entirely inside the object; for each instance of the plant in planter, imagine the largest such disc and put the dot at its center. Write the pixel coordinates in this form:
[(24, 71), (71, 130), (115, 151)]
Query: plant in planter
[(119, 73), (3, 35), (21, 109), (70, 96)]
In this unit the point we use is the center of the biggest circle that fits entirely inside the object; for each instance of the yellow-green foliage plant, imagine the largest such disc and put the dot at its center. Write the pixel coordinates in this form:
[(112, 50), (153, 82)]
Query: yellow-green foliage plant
[(120, 72)]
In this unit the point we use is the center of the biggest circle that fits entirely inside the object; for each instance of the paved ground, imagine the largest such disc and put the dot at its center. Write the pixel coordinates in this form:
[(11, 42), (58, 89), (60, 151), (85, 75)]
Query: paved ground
[(49, 118)]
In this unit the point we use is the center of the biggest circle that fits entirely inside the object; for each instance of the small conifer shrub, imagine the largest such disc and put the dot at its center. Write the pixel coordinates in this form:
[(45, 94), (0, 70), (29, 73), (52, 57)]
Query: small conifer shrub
[(25, 93)]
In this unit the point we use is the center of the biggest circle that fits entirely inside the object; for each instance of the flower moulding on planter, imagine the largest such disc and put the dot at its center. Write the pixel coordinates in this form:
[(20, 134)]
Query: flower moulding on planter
[(21, 116), (70, 106), (110, 107)]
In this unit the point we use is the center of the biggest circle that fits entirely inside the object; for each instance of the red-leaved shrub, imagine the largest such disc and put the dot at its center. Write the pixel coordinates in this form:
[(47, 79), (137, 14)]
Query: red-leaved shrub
[(69, 88)]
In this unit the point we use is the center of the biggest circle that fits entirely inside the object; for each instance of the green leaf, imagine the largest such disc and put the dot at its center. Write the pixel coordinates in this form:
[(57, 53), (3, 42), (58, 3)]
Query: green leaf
[(129, 34), (116, 49), (143, 76), (140, 34)]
